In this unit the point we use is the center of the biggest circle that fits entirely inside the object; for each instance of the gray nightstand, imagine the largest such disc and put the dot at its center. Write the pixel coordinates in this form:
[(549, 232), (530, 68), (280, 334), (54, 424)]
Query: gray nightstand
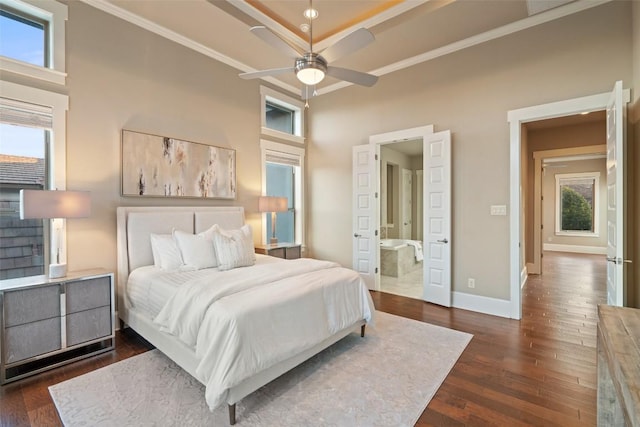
[(46, 323), (280, 250)]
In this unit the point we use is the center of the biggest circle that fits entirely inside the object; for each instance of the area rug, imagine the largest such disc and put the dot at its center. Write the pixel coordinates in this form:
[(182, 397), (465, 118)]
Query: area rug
[(384, 379)]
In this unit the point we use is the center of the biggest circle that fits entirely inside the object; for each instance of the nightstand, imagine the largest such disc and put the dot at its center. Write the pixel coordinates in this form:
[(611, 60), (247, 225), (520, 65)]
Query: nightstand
[(45, 323), (280, 250)]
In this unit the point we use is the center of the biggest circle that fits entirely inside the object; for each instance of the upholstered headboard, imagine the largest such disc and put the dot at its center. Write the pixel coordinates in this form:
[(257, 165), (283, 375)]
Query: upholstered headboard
[(135, 225)]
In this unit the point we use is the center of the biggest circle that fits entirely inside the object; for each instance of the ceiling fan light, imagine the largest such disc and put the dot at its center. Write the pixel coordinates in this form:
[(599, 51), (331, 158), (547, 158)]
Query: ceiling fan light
[(310, 76)]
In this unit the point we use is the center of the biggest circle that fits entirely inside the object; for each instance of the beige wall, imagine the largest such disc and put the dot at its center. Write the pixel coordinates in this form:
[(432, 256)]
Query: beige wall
[(469, 92), (121, 76), (634, 153), (572, 136), (549, 204)]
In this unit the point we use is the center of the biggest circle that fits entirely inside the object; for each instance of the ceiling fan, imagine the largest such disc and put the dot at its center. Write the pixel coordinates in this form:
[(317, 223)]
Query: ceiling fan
[(311, 67)]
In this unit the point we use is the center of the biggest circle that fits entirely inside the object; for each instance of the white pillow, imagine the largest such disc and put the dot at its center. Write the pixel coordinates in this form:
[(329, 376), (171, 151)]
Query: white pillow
[(165, 252), (234, 248), (196, 250)]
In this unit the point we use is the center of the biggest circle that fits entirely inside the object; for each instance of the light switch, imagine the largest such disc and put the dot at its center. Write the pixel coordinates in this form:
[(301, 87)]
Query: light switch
[(498, 210)]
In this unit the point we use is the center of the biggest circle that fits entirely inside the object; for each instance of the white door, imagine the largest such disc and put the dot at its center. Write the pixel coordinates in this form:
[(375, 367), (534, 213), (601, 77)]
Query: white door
[(615, 196), (406, 205), (364, 214), (437, 218)]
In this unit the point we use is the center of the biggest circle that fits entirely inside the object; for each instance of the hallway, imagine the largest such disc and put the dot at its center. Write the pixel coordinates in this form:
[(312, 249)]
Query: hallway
[(538, 371)]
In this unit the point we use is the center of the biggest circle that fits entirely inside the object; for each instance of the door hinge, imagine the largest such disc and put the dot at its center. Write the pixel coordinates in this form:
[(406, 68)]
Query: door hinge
[(376, 194), (541, 255), (376, 270), (376, 156), (376, 233), (541, 226)]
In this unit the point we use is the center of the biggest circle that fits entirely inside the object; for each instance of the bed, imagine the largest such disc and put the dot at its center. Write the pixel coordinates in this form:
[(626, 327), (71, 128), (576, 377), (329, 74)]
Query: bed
[(233, 329)]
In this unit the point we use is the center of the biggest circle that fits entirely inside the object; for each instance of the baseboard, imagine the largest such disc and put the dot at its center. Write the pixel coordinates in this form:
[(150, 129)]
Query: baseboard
[(594, 250), (480, 304)]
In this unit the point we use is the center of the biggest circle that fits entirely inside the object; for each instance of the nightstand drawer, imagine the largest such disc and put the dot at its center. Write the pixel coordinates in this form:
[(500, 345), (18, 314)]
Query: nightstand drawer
[(32, 339), (30, 305), (292, 252), (86, 294), (88, 325)]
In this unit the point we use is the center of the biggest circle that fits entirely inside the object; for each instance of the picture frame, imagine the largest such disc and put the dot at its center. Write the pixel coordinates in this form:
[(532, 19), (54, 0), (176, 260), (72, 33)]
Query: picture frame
[(161, 166)]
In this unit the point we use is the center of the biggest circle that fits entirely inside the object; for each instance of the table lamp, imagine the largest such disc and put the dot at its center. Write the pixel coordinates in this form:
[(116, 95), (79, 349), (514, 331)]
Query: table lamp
[(53, 204), (273, 205)]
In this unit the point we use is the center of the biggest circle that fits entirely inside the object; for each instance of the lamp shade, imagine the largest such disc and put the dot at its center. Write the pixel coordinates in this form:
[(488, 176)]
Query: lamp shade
[(272, 204), (40, 204)]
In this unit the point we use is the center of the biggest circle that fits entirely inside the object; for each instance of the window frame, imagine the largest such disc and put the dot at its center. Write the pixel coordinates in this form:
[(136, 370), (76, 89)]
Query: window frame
[(56, 167), (596, 204), (287, 102), (293, 152), (55, 14)]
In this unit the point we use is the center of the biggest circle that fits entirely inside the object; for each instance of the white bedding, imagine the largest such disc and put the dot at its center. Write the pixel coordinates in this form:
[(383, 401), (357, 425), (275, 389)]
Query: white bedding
[(149, 288), (223, 315)]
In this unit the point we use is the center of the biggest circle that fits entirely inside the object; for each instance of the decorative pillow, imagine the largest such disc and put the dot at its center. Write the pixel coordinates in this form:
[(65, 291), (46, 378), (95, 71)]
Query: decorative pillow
[(196, 250), (208, 235), (165, 252), (234, 248)]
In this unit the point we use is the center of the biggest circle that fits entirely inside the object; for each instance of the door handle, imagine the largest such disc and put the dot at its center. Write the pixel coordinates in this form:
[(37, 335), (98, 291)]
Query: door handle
[(619, 260), (357, 235), (443, 240)]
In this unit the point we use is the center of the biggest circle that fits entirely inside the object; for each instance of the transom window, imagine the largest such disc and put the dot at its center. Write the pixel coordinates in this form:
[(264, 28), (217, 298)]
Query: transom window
[(24, 37), (577, 203), (282, 116)]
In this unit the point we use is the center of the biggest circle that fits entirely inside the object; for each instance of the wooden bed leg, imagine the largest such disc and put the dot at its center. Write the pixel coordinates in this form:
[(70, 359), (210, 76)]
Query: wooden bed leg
[(362, 331), (232, 414)]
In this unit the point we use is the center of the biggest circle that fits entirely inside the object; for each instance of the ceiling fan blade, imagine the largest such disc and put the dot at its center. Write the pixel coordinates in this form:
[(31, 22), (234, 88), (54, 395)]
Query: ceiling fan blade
[(352, 76), (348, 44), (276, 41), (265, 73)]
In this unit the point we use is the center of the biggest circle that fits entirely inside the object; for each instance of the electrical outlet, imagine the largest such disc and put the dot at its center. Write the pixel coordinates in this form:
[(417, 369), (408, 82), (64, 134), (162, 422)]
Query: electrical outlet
[(471, 282)]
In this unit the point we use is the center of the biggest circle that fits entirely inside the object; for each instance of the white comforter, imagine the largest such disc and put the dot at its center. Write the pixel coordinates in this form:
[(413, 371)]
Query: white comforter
[(252, 318)]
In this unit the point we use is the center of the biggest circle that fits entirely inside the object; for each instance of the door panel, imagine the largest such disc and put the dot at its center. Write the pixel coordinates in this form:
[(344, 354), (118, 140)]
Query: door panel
[(364, 214), (437, 211), (615, 196)]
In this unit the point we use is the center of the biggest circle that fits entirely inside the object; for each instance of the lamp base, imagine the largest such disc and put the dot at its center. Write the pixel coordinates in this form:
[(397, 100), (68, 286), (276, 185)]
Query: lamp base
[(273, 241), (57, 271)]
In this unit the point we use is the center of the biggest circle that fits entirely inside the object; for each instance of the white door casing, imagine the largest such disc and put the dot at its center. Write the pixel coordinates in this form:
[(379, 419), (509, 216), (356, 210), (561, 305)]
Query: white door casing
[(437, 218), (364, 227), (375, 141), (615, 197), (406, 205)]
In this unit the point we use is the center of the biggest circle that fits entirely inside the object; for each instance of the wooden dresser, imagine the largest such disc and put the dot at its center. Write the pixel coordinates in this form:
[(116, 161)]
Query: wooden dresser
[(618, 366)]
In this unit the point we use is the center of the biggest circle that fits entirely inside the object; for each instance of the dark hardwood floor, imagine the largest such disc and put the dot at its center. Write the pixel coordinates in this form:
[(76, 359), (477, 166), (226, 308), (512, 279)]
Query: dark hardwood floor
[(538, 371)]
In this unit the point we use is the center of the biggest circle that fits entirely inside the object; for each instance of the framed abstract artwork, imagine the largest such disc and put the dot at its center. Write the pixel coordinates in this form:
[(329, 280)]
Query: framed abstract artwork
[(160, 166)]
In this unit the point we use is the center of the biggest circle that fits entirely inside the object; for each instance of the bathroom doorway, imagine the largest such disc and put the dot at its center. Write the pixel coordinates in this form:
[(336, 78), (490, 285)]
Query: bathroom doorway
[(401, 248)]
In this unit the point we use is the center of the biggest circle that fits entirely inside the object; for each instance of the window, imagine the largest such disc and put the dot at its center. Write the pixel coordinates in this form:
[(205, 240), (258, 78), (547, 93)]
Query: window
[(282, 116), (22, 166), (24, 37), (33, 39), (279, 118), (32, 131), (283, 171), (577, 204)]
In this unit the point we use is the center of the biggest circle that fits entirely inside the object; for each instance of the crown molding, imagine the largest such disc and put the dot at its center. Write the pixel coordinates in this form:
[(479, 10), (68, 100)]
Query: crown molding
[(505, 30)]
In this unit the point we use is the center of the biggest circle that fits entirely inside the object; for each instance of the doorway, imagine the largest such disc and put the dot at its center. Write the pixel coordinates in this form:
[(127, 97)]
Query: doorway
[(615, 104), (400, 251)]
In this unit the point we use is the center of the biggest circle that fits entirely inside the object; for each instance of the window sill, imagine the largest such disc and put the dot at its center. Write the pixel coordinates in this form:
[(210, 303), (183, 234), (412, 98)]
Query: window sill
[(282, 135), (32, 71), (575, 234)]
